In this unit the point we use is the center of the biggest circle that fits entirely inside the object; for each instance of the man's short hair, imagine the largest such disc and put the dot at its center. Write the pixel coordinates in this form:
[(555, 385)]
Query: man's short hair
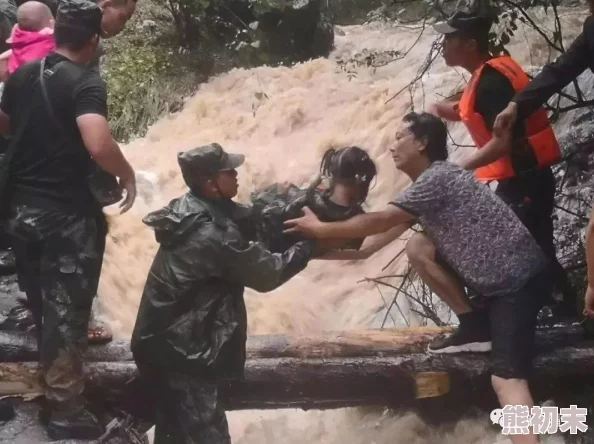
[(432, 129), (468, 26), (77, 22)]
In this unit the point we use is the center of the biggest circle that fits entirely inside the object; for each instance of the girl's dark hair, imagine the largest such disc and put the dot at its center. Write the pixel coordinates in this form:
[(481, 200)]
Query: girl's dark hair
[(433, 130), (351, 165)]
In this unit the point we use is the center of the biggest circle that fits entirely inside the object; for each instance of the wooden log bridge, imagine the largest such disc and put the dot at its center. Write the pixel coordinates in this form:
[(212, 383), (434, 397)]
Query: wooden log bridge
[(387, 367)]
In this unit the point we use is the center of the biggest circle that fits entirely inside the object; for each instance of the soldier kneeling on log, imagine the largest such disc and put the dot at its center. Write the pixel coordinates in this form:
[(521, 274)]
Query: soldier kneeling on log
[(470, 233), (191, 325)]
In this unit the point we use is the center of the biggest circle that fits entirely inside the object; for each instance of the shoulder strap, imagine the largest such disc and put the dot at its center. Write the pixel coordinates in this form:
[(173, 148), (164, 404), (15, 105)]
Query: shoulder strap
[(47, 73)]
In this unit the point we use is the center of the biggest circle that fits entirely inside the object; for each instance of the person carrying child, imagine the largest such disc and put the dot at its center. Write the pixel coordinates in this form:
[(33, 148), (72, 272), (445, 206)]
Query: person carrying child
[(32, 38)]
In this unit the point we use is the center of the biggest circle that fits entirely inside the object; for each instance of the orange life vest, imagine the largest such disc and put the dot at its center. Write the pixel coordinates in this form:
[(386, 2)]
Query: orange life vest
[(539, 134)]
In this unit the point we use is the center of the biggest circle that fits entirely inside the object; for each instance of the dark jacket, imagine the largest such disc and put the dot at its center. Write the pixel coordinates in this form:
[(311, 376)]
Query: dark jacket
[(271, 208), (192, 315), (555, 76)]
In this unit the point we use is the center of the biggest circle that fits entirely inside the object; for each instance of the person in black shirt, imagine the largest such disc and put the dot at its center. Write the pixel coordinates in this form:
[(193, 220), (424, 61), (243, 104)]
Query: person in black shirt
[(515, 158), (552, 79), (51, 209)]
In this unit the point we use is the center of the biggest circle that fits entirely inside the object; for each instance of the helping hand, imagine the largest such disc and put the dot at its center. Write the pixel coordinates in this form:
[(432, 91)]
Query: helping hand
[(308, 225), (129, 185), (505, 120)]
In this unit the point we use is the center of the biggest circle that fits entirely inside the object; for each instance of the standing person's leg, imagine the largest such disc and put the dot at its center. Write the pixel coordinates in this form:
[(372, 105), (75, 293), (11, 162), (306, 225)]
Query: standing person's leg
[(542, 229), (189, 411), (99, 332), (28, 255), (473, 333), (513, 325), (69, 264), (533, 201)]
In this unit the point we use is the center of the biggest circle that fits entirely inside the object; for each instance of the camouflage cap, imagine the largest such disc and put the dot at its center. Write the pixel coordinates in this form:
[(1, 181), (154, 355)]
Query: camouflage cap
[(206, 161), (82, 14)]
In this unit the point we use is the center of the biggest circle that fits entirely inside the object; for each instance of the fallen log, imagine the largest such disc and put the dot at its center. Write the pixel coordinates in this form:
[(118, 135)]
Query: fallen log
[(347, 369), (16, 346)]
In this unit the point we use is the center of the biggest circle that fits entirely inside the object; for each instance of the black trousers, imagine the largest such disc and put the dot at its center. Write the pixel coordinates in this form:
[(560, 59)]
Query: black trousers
[(532, 198)]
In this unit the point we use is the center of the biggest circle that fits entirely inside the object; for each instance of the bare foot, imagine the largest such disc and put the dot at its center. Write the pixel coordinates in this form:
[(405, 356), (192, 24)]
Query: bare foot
[(99, 333)]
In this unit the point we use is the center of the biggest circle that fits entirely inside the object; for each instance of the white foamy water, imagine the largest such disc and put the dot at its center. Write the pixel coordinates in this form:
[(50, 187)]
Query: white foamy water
[(310, 108)]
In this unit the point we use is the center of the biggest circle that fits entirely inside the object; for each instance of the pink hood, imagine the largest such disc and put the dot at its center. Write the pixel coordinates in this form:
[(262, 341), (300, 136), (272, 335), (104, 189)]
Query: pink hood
[(28, 46)]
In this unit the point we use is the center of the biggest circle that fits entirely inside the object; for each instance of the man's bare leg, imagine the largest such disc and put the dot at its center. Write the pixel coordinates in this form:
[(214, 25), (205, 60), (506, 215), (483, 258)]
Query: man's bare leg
[(473, 334), (515, 392), (421, 255), (99, 331)]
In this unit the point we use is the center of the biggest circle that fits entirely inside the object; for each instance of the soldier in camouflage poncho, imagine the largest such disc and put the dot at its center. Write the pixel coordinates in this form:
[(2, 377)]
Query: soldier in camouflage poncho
[(191, 326)]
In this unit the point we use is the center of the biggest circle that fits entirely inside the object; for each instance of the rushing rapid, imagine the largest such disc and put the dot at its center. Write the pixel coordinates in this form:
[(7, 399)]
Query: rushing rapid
[(283, 119)]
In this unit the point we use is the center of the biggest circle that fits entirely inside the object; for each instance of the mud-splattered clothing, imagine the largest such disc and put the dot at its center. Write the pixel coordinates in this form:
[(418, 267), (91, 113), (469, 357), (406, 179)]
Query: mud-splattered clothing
[(191, 327), (60, 257), (272, 207), (474, 231)]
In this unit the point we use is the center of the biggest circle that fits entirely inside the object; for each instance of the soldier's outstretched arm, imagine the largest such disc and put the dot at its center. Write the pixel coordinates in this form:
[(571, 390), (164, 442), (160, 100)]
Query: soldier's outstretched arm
[(255, 267)]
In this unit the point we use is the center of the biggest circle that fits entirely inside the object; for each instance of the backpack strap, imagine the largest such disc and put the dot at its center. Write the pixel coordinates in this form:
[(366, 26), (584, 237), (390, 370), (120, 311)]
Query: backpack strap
[(72, 71), (103, 185)]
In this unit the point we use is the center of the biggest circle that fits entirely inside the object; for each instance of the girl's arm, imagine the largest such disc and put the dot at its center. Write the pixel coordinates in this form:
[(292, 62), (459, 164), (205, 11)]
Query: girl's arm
[(371, 245)]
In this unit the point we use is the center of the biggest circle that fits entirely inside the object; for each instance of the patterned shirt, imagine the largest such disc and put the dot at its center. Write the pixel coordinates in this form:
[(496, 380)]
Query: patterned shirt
[(476, 234)]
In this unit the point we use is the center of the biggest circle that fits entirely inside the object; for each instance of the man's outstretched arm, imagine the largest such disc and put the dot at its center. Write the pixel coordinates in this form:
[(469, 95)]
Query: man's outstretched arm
[(357, 227), (552, 79), (500, 145), (370, 246)]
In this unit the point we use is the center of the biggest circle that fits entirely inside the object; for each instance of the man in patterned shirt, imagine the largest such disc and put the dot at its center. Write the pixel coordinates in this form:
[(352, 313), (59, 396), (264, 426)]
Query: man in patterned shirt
[(471, 238)]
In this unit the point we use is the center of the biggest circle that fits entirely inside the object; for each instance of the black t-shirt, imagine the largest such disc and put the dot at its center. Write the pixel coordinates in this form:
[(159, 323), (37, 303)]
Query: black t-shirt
[(493, 94), (50, 168)]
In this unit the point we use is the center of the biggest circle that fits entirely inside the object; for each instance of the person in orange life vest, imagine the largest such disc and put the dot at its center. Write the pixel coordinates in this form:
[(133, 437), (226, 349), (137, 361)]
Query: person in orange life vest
[(518, 158)]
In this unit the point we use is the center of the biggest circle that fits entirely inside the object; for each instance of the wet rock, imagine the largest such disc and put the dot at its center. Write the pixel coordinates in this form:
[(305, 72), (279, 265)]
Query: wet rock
[(25, 428), (17, 318), (7, 263)]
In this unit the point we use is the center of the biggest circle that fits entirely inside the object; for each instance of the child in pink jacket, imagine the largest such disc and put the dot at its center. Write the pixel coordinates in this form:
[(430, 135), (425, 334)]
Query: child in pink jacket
[(32, 38)]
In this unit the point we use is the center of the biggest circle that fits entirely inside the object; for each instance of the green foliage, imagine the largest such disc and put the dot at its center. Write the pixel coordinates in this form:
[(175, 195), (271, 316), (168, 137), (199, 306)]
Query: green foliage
[(136, 97), (147, 75)]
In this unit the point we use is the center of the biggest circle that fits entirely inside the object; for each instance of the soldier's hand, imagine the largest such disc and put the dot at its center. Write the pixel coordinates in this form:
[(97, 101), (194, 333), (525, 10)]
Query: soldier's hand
[(129, 184), (308, 225), (506, 119)]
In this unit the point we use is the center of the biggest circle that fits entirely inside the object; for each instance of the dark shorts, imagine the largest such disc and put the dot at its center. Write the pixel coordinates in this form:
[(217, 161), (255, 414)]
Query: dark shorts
[(513, 319), (513, 325)]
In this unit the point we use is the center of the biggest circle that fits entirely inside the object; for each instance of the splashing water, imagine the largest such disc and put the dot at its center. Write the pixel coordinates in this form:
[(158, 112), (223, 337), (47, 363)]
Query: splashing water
[(283, 119)]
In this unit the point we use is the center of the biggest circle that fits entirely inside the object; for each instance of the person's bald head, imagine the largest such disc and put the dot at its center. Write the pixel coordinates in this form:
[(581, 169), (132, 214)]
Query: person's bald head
[(34, 16)]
